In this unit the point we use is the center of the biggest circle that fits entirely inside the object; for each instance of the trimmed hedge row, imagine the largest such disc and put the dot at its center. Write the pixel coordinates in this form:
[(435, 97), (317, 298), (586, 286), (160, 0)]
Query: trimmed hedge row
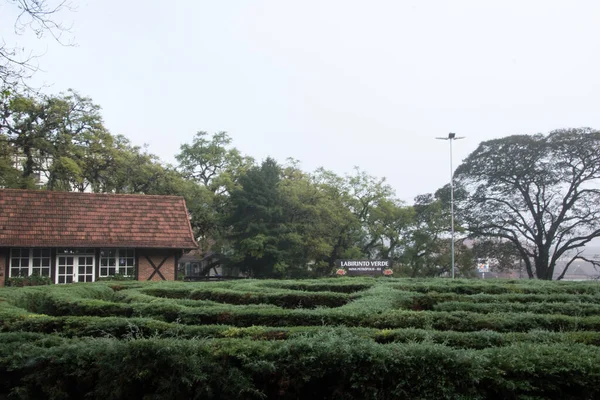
[(572, 309), (419, 301), (370, 314), (329, 365), (457, 321), (281, 299), (470, 287), (123, 328), (278, 297), (343, 285)]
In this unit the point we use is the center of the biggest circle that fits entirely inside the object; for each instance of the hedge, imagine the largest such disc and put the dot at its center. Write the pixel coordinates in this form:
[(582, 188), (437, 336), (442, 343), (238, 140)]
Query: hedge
[(330, 365)]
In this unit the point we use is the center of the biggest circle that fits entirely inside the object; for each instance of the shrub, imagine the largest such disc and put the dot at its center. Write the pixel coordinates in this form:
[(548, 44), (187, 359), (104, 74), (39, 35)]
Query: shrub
[(116, 277), (31, 280)]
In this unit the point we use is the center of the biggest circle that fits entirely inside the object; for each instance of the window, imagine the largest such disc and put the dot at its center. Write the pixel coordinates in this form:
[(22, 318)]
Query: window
[(26, 262), (117, 261), (75, 265)]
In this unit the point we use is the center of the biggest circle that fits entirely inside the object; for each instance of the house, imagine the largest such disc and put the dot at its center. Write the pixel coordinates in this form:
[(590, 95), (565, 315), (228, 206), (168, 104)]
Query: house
[(79, 237), (195, 265)]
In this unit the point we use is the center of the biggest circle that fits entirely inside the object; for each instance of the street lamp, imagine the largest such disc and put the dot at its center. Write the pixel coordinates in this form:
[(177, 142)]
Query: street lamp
[(451, 137)]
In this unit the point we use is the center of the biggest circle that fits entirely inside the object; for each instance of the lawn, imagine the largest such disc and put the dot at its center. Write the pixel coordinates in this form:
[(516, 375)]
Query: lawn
[(339, 338)]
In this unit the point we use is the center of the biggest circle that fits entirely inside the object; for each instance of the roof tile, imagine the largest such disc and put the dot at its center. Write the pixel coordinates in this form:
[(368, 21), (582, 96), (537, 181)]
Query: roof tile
[(40, 218)]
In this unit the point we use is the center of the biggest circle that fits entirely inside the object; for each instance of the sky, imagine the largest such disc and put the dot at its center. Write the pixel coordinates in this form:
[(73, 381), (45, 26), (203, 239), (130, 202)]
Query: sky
[(333, 84)]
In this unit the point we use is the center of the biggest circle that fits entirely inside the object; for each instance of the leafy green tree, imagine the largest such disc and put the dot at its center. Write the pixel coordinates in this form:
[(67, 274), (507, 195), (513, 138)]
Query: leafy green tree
[(10, 176), (423, 244), (255, 222), (538, 192), (365, 199), (215, 167), (213, 162), (311, 218), (389, 223), (61, 138), (426, 249), (25, 129), (347, 233), (78, 145)]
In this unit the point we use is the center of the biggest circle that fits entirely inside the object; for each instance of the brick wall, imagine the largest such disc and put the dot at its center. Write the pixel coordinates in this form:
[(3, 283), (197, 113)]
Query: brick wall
[(147, 257), (3, 271)]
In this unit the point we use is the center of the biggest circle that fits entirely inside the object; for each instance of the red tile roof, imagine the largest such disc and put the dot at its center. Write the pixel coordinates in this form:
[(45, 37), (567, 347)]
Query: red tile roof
[(40, 218)]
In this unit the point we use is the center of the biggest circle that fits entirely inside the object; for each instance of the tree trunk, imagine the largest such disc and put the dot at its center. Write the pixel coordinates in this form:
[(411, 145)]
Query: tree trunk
[(542, 269)]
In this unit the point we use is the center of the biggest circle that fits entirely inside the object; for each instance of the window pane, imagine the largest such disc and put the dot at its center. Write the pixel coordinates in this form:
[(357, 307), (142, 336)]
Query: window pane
[(19, 262), (126, 261), (40, 258)]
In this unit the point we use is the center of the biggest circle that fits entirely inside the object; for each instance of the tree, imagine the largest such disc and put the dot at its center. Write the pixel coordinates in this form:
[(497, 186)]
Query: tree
[(37, 16), (501, 254), (61, 138), (213, 163), (538, 192), (426, 245), (215, 167), (389, 224), (366, 200), (311, 219), (255, 222)]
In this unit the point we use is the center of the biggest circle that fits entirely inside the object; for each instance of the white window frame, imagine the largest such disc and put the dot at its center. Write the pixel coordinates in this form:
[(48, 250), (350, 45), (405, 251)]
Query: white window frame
[(76, 254), (30, 258), (119, 253)]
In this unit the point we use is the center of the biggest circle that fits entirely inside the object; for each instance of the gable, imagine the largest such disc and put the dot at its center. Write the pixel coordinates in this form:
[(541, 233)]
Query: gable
[(40, 218)]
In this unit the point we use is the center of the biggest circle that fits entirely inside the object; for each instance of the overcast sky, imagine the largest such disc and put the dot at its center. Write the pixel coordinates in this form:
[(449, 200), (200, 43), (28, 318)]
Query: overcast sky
[(332, 83)]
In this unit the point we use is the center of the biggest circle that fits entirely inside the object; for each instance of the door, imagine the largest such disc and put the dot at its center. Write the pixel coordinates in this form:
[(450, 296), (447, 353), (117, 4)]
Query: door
[(74, 268)]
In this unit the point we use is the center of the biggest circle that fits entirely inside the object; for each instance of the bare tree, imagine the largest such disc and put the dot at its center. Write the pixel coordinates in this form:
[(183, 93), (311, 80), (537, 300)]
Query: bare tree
[(37, 16)]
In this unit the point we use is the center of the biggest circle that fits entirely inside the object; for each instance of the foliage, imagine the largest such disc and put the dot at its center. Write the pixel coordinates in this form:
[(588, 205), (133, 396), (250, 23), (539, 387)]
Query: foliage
[(116, 277), (32, 280), (537, 192), (426, 244), (256, 222), (476, 339)]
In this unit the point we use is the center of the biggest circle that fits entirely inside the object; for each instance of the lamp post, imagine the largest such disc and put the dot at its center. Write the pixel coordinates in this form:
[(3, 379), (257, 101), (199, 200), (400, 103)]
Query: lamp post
[(451, 137)]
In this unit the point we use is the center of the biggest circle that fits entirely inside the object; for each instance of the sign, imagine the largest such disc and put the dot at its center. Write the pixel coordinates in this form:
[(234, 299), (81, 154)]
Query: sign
[(364, 267), (483, 267)]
